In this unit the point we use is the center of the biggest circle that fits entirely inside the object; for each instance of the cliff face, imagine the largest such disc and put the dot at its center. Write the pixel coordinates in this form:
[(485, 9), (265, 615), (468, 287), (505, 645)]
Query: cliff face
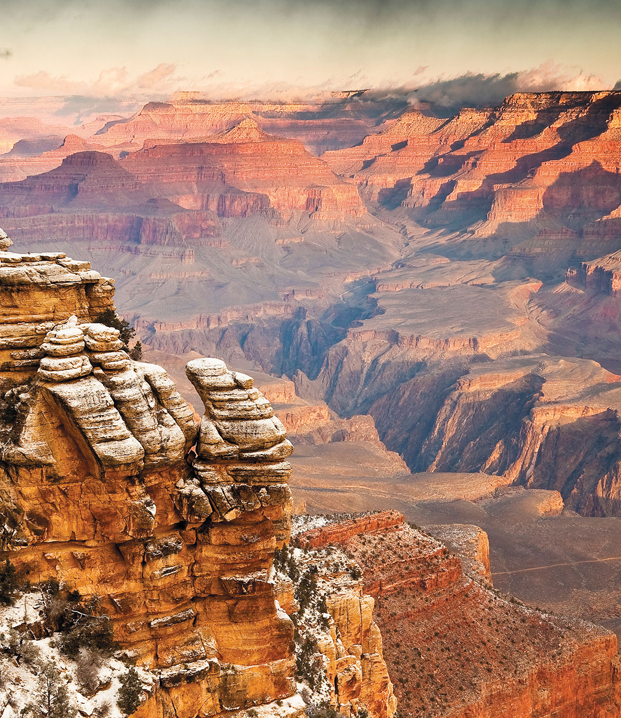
[(339, 651), (94, 466), (21, 163), (192, 195), (603, 275), (539, 171), (520, 419), (456, 648), (252, 161), (320, 126)]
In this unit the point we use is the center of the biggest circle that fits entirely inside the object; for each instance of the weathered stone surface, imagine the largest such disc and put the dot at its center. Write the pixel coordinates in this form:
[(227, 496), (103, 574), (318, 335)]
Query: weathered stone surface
[(5, 242), (455, 647), (95, 465), (356, 676)]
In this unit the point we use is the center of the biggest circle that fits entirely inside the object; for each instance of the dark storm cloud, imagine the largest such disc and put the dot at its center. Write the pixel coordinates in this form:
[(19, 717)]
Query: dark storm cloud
[(480, 90), (356, 9), (475, 90), (468, 90)]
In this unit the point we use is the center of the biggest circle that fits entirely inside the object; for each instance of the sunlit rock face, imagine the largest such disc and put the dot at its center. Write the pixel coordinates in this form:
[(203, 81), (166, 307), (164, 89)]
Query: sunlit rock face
[(456, 648), (94, 469)]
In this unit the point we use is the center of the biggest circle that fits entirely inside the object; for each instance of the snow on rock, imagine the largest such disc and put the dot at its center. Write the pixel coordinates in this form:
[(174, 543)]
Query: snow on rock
[(21, 669)]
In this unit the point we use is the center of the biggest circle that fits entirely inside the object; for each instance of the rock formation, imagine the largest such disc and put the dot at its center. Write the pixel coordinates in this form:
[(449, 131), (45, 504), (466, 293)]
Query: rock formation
[(256, 165), (458, 649), (602, 274), (540, 171), (339, 638), (323, 125)]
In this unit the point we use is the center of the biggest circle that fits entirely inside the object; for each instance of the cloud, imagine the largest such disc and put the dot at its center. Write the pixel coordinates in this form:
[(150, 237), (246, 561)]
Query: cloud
[(116, 90), (481, 90), (114, 82), (158, 78)]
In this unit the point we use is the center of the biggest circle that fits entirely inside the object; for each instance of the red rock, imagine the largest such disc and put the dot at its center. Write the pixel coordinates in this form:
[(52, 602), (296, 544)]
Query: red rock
[(252, 162), (320, 126), (455, 648)]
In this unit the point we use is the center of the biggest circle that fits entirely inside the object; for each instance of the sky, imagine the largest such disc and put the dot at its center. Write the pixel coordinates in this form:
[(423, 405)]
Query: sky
[(287, 48)]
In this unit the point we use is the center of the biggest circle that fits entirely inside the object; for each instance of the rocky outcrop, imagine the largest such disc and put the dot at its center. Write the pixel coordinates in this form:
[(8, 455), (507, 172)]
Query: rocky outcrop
[(602, 275), (470, 543), (456, 648), (342, 530), (21, 163), (539, 173), (93, 450), (312, 424), (340, 657)]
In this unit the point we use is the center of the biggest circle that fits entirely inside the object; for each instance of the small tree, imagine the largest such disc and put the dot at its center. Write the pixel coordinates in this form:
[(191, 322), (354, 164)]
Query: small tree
[(81, 626), (136, 351), (130, 693), (9, 584), (52, 698), (126, 332)]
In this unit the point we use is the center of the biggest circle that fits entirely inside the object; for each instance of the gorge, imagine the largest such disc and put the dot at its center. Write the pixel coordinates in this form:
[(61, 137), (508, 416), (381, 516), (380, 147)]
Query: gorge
[(433, 314)]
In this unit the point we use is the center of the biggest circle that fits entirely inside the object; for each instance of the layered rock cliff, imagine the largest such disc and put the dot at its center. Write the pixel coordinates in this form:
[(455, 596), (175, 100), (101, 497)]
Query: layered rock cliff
[(321, 126), (539, 172), (456, 648), (254, 163)]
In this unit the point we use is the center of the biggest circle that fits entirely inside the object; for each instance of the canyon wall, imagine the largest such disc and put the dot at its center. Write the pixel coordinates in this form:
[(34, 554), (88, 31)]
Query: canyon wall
[(457, 648)]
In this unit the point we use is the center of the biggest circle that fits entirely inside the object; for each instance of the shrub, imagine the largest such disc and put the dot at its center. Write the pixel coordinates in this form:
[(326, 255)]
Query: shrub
[(306, 590), (88, 664), (135, 352), (111, 319), (80, 625), (130, 693), (355, 572), (21, 647), (9, 584)]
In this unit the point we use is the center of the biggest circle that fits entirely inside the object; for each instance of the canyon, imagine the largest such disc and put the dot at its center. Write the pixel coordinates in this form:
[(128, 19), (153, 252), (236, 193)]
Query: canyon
[(429, 300), (179, 527)]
